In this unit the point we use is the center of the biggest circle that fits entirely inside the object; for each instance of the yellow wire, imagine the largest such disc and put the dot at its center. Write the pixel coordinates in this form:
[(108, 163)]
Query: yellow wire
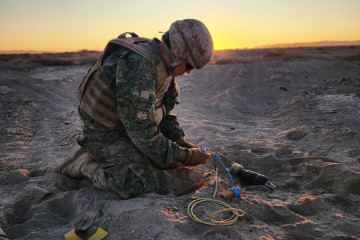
[(237, 210), (234, 217)]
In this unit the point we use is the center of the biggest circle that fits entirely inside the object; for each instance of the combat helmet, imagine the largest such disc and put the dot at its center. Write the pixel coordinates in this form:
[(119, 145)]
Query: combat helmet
[(191, 41)]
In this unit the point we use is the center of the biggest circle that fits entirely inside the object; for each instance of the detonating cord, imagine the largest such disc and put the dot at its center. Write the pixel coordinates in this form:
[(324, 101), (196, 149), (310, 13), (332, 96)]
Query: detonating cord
[(237, 191), (217, 159), (236, 212), (216, 181)]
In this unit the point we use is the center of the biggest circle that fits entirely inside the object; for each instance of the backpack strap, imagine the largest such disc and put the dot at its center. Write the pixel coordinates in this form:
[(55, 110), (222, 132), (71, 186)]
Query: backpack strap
[(123, 35), (130, 43)]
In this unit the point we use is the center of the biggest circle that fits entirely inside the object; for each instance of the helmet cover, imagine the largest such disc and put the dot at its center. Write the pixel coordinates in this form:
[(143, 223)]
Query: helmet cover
[(191, 41)]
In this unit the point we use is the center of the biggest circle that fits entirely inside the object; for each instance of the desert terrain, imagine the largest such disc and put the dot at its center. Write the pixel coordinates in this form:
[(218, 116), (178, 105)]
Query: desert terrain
[(290, 114)]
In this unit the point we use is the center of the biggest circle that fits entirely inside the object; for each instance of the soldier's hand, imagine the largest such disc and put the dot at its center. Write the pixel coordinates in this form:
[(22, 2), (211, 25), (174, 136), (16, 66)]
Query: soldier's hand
[(185, 144), (196, 156)]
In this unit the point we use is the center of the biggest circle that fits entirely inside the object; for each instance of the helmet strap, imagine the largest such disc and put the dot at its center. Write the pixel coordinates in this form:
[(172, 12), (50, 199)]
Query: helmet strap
[(177, 62), (167, 51)]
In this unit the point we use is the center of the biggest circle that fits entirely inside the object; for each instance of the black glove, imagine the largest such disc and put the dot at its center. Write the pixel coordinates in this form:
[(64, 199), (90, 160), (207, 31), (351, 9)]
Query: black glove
[(185, 144), (195, 157)]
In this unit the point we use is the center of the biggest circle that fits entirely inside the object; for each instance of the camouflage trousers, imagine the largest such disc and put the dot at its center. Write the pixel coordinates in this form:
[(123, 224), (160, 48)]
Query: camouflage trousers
[(128, 180), (126, 171)]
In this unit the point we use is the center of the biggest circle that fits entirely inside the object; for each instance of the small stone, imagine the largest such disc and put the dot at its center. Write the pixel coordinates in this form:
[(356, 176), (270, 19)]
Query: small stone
[(297, 153), (283, 152), (338, 140), (18, 176), (354, 153), (296, 135), (39, 193)]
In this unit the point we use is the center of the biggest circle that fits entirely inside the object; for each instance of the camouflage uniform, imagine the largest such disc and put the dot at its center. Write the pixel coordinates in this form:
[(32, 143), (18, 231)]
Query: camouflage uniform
[(129, 155)]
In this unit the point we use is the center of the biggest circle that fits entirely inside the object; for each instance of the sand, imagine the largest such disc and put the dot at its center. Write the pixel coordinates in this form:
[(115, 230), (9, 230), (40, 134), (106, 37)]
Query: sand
[(290, 114)]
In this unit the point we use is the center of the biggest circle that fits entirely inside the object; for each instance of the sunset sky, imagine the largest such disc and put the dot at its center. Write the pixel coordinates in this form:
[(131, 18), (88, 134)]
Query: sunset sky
[(72, 25)]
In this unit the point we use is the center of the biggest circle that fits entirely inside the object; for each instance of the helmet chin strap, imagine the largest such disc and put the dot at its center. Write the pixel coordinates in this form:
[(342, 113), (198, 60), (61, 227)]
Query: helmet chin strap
[(177, 62), (167, 50)]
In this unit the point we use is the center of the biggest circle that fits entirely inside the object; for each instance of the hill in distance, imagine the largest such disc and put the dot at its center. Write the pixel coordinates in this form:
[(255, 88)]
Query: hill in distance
[(312, 44), (280, 45)]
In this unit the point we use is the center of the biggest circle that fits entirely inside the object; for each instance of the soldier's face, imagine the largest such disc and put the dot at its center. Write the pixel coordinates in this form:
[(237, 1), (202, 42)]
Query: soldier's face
[(180, 70)]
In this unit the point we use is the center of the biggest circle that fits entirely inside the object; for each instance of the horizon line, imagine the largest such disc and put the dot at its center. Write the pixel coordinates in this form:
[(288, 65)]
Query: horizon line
[(324, 43)]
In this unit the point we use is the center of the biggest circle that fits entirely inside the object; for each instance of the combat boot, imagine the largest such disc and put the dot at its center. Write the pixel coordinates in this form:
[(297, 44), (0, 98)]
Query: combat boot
[(71, 167), (81, 165)]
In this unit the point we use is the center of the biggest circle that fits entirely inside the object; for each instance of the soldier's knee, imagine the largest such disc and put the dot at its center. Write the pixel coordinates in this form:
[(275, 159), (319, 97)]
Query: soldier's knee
[(133, 180)]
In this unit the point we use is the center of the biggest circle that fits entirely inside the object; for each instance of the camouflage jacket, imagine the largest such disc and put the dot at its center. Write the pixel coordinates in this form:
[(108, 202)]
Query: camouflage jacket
[(128, 74)]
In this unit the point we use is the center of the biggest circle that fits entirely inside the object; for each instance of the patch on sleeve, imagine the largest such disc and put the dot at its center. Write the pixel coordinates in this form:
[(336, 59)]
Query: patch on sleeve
[(142, 115), (144, 94)]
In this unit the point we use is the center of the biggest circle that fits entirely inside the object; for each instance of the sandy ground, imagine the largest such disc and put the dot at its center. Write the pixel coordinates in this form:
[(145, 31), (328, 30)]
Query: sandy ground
[(292, 115)]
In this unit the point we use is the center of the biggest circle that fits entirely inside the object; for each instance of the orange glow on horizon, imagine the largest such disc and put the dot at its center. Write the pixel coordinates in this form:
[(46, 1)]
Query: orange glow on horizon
[(59, 26)]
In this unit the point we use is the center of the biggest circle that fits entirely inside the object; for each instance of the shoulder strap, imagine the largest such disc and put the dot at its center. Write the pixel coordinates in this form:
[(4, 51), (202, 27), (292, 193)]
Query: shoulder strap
[(130, 43)]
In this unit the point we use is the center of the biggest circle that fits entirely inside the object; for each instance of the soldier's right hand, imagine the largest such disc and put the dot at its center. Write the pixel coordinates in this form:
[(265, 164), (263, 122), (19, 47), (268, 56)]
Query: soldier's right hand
[(185, 144), (195, 157)]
